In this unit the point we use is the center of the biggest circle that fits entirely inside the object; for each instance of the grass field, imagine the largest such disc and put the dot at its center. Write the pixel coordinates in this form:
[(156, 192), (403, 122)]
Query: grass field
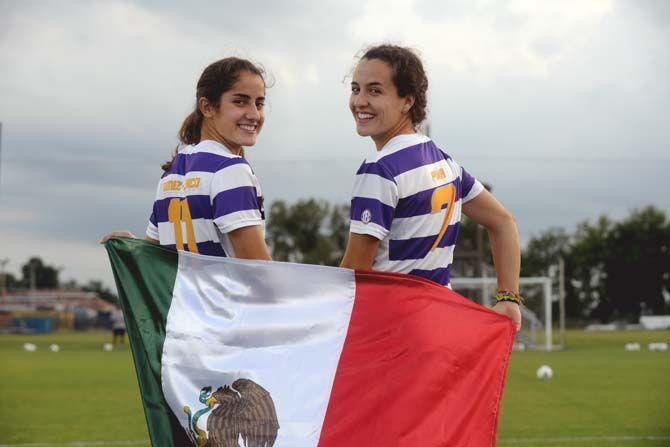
[(600, 396)]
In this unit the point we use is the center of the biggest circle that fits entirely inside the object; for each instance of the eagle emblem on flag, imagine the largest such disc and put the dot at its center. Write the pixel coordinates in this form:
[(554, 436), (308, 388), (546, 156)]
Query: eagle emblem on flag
[(244, 410)]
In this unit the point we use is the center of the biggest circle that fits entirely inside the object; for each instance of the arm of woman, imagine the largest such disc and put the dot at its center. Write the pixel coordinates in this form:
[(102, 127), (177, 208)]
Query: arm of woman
[(360, 252), (504, 237), (248, 243)]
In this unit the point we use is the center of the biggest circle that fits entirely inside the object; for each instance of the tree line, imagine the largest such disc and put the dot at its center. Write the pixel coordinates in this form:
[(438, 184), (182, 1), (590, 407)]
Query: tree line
[(614, 270), (36, 274)]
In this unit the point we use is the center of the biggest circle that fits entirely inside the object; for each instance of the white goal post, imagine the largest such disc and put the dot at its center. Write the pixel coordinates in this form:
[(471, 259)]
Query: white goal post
[(488, 286)]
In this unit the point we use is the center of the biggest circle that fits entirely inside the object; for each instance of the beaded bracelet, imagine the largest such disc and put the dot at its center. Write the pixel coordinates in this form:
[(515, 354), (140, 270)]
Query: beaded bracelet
[(507, 295)]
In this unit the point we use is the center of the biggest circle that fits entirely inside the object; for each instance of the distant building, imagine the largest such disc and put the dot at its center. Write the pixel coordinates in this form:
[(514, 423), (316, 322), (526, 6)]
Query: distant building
[(54, 300), (45, 310)]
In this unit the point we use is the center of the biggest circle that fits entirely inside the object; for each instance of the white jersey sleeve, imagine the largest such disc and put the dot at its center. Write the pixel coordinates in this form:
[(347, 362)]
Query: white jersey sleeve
[(236, 197), (471, 187), (374, 199)]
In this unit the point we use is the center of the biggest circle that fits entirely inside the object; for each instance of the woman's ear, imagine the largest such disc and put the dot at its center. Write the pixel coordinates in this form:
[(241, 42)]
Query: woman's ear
[(205, 107), (409, 102)]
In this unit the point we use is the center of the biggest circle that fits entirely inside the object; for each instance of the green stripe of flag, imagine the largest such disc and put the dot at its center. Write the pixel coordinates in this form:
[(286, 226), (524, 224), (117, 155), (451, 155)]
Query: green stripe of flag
[(145, 275)]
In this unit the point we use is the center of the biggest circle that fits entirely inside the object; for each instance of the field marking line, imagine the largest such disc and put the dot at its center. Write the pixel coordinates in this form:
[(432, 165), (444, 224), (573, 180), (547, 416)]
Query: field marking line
[(79, 444), (581, 438)]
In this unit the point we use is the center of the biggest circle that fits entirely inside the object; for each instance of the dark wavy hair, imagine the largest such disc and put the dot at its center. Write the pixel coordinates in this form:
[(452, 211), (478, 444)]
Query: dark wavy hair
[(409, 76), (215, 80)]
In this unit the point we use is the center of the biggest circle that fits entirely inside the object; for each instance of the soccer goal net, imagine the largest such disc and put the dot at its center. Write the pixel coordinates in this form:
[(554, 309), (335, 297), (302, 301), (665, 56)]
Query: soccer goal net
[(536, 328)]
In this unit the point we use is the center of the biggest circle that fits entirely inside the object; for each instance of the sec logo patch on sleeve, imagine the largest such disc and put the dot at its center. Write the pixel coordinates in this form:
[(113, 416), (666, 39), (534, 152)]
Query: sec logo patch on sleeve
[(366, 216)]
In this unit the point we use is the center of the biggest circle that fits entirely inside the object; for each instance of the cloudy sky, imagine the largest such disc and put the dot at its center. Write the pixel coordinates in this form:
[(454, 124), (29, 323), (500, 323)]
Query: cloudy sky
[(563, 106)]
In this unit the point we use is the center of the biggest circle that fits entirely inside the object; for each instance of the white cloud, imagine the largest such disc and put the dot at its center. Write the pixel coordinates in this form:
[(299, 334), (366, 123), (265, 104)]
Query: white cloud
[(522, 37), (108, 59)]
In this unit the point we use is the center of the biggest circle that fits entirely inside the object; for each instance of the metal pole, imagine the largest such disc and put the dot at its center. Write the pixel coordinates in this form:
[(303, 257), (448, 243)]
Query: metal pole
[(547, 314), (561, 300)]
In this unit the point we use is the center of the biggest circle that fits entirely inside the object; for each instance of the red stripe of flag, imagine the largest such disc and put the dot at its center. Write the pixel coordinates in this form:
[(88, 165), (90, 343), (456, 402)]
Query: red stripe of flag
[(420, 366)]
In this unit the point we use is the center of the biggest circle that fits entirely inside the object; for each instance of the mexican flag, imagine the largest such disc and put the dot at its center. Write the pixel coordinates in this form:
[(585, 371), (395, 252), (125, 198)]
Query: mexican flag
[(233, 352)]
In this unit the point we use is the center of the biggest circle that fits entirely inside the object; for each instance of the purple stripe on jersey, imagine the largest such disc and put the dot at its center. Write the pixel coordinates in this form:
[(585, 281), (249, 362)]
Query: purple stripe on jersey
[(235, 199), (209, 248), (203, 161), (412, 157), (152, 218), (467, 182), (420, 203), (418, 247), (375, 169), (440, 275), (199, 206), (380, 213)]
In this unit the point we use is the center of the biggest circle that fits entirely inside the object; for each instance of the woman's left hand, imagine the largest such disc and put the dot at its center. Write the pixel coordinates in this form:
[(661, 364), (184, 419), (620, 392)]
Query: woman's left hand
[(510, 310), (112, 234)]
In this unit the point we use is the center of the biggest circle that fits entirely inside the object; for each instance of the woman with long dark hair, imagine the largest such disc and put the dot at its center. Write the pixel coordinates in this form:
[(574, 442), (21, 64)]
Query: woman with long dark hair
[(208, 199)]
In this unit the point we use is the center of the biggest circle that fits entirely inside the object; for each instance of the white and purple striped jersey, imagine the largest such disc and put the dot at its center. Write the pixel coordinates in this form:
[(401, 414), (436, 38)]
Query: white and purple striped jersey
[(207, 193), (409, 196)]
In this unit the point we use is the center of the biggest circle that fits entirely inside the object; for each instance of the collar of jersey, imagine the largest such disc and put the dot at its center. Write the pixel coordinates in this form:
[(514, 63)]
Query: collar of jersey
[(401, 142), (209, 146)]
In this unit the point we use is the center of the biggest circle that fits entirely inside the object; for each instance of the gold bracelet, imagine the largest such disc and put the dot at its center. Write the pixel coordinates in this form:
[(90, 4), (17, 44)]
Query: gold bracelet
[(507, 295)]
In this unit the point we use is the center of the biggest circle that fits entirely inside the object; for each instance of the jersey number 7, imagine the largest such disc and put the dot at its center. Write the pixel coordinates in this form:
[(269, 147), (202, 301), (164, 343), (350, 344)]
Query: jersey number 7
[(443, 195)]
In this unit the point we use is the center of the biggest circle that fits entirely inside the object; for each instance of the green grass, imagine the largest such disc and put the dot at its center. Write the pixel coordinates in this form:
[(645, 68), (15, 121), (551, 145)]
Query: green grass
[(598, 390), (600, 396), (78, 394)]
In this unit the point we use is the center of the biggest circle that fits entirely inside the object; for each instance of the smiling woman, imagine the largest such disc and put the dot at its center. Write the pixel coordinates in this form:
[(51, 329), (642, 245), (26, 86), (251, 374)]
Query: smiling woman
[(209, 200), (408, 198)]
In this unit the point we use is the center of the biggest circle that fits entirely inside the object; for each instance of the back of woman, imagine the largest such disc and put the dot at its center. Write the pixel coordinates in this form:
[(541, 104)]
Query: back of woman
[(409, 196), (207, 193)]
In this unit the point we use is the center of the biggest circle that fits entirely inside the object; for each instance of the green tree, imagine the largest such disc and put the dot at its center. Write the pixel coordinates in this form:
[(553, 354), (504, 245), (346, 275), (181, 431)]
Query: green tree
[(587, 259), (8, 281), (11, 281), (540, 257), (36, 273), (638, 263), (543, 251), (309, 231), (621, 269)]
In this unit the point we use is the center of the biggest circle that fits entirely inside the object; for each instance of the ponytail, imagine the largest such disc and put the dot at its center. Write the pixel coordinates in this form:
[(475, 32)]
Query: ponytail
[(188, 134), (190, 128)]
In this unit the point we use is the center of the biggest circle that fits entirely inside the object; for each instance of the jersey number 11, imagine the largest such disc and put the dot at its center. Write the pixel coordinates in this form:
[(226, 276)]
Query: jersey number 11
[(178, 212)]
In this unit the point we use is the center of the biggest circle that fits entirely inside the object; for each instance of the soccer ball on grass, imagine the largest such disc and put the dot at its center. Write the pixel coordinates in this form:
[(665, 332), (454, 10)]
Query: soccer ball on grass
[(544, 372)]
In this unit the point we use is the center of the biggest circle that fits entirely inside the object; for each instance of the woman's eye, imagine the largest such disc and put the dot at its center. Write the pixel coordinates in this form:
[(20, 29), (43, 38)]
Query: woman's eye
[(375, 91), (355, 89), (260, 105)]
